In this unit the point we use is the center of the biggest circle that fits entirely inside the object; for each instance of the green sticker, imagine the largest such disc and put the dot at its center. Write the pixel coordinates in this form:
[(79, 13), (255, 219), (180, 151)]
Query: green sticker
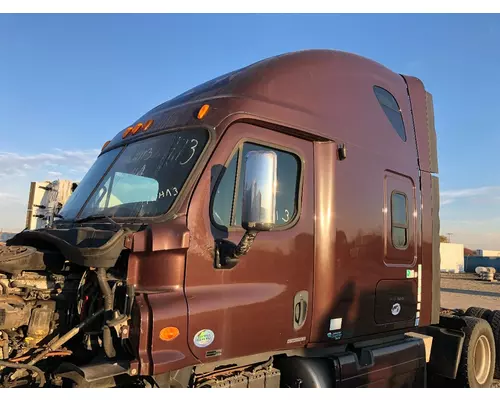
[(204, 338), (408, 273)]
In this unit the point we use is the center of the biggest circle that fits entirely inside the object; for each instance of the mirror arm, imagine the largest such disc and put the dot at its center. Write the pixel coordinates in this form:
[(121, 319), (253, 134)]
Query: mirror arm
[(227, 254), (245, 243)]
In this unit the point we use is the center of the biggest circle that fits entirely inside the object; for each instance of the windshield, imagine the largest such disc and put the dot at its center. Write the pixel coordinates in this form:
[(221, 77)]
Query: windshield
[(144, 179)]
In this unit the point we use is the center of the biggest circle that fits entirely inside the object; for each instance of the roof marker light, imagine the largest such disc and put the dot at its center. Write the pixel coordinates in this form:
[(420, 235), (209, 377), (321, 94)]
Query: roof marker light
[(127, 132), (132, 130), (136, 128), (105, 144), (147, 125)]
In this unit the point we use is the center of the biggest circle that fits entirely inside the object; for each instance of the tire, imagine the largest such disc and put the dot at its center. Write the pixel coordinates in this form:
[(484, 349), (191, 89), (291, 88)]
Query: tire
[(487, 315), (477, 361), (495, 327), (478, 312), (475, 312)]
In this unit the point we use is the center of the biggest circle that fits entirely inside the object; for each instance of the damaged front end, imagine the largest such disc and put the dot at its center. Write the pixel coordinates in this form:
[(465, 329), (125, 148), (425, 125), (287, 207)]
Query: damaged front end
[(64, 305)]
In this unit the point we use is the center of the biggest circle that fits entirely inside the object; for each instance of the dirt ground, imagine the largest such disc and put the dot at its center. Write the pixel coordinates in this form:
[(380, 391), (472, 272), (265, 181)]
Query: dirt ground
[(465, 290)]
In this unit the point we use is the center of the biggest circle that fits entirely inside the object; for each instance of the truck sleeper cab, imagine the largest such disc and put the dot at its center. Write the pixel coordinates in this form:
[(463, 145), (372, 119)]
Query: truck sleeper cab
[(280, 222)]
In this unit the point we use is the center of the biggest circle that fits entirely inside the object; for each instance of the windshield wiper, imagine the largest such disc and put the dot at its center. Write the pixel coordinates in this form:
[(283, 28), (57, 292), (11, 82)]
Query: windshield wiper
[(96, 217)]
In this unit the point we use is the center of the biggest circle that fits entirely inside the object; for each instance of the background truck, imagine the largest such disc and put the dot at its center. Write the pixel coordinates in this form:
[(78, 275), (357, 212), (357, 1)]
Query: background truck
[(45, 200), (275, 227)]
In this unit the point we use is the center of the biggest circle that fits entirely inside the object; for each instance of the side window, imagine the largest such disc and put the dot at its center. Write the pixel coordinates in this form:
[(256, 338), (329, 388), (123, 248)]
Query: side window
[(227, 203), (223, 201), (391, 110), (399, 220)]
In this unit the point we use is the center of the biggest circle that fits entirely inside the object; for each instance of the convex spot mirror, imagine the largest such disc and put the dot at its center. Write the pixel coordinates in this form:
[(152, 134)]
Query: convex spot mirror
[(259, 191)]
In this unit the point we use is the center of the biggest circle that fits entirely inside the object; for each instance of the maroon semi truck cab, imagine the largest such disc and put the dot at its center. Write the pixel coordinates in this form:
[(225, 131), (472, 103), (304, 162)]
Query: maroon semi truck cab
[(276, 226)]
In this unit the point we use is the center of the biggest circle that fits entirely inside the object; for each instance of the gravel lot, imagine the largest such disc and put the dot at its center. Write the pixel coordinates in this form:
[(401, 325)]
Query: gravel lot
[(465, 290)]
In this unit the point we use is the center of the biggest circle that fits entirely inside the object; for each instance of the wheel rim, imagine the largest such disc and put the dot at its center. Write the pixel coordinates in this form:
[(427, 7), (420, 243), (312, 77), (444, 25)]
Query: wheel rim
[(482, 359)]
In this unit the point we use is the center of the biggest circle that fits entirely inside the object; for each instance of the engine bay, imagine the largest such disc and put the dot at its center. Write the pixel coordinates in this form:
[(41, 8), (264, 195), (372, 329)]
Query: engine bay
[(63, 301)]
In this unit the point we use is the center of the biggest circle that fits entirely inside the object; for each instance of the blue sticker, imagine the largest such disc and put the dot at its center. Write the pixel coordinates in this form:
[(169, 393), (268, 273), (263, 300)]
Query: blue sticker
[(334, 335)]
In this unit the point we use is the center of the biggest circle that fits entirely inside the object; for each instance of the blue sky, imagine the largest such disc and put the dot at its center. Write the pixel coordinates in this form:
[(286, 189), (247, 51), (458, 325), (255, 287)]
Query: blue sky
[(70, 82)]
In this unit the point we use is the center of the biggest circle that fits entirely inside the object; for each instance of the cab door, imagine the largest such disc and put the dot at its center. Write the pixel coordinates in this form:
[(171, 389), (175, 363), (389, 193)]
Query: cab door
[(396, 298), (264, 301)]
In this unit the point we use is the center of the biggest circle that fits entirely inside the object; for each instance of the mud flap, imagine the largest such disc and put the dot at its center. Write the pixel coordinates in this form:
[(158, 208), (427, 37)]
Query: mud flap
[(446, 351)]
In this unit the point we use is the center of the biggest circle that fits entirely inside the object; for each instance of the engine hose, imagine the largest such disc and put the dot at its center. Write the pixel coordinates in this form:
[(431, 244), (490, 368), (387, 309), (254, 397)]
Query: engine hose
[(105, 289), (3, 289), (39, 372), (107, 341), (107, 293)]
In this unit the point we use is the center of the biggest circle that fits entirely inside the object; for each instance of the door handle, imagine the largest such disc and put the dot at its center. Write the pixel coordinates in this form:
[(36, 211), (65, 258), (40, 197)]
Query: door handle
[(300, 305), (298, 312)]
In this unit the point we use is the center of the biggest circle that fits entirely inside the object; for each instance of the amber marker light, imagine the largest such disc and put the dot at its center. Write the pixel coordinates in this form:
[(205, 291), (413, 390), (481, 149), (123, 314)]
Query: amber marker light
[(147, 125), (127, 132), (132, 130), (203, 111), (169, 333), (136, 128), (105, 144)]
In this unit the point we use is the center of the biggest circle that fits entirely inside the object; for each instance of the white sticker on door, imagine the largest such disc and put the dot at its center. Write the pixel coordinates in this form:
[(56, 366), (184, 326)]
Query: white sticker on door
[(204, 338), (335, 324)]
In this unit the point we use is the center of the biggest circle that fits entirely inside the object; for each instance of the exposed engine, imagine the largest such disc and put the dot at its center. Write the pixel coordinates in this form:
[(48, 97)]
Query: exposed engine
[(54, 310), (32, 307)]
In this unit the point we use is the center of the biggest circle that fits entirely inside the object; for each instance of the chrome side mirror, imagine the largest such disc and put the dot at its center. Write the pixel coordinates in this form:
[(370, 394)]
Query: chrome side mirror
[(259, 191), (258, 211)]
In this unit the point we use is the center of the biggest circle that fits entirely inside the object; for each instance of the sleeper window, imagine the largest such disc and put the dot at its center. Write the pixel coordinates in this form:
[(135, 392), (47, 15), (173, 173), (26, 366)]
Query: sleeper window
[(226, 209), (391, 110)]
